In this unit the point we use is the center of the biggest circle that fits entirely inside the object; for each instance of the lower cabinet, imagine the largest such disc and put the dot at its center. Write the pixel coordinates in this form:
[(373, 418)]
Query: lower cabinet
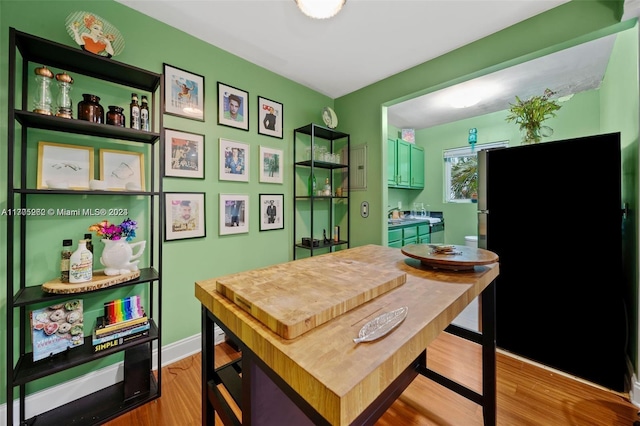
[(413, 234)]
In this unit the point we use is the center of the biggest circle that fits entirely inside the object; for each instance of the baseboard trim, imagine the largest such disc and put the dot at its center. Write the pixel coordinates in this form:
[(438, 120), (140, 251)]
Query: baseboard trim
[(73, 389)]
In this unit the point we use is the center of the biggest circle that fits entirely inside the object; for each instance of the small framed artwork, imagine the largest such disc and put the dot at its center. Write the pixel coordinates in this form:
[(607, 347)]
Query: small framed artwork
[(271, 212), (184, 93), (233, 107), (63, 166), (184, 154), (122, 170), (184, 216), (234, 214), (270, 117), (270, 165), (234, 161)]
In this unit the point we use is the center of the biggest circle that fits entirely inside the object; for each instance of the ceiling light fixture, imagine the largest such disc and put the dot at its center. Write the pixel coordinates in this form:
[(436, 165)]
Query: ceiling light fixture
[(320, 9)]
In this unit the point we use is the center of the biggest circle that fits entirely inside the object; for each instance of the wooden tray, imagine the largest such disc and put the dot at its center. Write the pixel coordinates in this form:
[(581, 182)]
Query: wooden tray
[(100, 280), (293, 298), (465, 258)]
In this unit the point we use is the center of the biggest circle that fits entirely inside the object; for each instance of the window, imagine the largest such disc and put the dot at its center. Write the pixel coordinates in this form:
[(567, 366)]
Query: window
[(461, 171)]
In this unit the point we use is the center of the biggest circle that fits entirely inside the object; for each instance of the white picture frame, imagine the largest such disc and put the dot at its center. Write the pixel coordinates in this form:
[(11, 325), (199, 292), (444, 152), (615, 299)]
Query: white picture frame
[(234, 160), (122, 170), (184, 215), (234, 214), (184, 154), (270, 165)]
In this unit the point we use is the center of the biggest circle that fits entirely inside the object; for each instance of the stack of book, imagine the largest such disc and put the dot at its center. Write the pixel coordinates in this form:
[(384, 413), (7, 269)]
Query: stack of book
[(124, 320)]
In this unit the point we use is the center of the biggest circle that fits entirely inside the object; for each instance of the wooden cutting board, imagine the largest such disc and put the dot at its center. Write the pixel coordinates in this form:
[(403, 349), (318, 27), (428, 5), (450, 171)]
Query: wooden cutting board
[(293, 298)]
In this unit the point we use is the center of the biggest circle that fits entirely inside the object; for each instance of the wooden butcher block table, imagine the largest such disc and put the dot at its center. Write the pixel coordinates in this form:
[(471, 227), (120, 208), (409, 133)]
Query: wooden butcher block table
[(322, 377)]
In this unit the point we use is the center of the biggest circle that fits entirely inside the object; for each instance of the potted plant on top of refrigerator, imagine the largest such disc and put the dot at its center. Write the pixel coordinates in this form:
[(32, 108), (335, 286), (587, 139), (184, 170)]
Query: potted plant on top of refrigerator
[(530, 114)]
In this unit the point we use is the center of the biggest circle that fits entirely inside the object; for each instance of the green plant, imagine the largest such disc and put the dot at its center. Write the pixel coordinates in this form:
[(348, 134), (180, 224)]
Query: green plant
[(530, 114)]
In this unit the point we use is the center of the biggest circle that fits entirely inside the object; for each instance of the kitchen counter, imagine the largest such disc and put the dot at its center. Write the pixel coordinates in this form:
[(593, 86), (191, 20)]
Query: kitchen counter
[(322, 376), (403, 223)]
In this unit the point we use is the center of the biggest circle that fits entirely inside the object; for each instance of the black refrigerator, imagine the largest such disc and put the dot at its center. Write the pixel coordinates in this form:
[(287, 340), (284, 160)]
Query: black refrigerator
[(552, 212)]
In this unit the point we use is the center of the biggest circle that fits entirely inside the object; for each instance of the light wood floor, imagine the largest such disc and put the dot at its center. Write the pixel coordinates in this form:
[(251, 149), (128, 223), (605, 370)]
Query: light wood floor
[(527, 394)]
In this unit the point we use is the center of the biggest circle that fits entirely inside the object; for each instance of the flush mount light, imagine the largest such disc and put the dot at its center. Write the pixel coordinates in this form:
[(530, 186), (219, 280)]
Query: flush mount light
[(320, 9)]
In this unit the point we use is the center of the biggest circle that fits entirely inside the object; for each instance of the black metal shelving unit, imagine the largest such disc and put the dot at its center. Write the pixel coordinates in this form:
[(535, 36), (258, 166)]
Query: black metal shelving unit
[(103, 405), (312, 136)]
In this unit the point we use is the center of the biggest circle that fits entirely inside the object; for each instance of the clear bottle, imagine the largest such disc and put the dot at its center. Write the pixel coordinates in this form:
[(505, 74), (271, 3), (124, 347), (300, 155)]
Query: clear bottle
[(81, 264), (144, 115), (311, 185), (65, 260), (326, 191), (134, 112)]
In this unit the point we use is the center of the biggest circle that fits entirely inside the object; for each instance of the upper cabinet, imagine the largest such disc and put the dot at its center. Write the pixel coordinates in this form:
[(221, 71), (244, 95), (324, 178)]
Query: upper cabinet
[(405, 165)]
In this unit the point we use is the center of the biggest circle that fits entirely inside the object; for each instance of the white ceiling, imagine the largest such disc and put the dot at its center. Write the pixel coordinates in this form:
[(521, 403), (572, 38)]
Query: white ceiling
[(367, 41)]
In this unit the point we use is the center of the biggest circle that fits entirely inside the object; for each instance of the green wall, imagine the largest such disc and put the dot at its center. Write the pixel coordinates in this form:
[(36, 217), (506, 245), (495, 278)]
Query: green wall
[(149, 44)]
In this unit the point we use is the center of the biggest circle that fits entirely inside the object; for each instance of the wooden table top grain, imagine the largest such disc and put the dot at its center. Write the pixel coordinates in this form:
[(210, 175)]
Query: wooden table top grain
[(324, 366)]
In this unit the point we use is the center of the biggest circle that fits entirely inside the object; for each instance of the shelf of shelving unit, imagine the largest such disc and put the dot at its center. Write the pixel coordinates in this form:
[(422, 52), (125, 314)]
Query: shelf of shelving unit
[(331, 138), (108, 403)]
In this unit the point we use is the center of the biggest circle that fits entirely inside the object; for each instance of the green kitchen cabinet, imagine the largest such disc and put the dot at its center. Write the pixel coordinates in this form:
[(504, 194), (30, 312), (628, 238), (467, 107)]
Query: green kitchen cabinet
[(424, 234), (405, 165), (395, 238), (416, 171), (399, 163)]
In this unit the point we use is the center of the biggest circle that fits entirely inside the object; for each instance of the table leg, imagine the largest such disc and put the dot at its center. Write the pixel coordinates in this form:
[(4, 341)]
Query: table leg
[(489, 396)]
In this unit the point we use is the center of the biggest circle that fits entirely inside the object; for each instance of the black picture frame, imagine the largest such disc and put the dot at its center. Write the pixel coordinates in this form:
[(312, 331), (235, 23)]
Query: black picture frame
[(227, 97), (271, 212), (179, 227), (270, 118), (183, 93)]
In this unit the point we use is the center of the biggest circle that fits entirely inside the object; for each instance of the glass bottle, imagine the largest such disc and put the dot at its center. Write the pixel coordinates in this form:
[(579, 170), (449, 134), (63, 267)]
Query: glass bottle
[(134, 112), (64, 260), (327, 188), (89, 243), (144, 115), (42, 100), (63, 101), (115, 116), (311, 185), (89, 109), (81, 264)]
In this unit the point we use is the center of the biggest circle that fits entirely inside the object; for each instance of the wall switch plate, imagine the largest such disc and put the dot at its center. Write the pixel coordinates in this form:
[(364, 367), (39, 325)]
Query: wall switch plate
[(364, 209)]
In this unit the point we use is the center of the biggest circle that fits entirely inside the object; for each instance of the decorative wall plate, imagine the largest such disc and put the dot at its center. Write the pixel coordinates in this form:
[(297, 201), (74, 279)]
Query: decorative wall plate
[(94, 34), (329, 117)]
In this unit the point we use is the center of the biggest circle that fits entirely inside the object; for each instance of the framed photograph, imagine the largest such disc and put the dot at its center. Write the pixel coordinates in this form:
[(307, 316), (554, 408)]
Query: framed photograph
[(233, 107), (234, 161), (270, 117), (271, 212), (183, 93), (234, 214), (184, 154), (184, 216), (270, 165), (62, 166), (122, 170)]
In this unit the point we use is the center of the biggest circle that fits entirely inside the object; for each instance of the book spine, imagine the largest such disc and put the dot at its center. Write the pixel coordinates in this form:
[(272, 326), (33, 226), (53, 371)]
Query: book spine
[(107, 333), (99, 347), (97, 339)]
